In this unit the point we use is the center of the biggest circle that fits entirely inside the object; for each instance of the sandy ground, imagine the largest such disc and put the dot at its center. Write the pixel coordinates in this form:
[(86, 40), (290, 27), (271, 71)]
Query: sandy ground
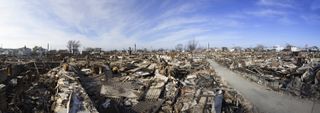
[(265, 101)]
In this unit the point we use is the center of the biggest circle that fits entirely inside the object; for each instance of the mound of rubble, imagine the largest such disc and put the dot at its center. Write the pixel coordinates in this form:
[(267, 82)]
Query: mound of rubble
[(57, 91), (146, 83), (297, 73), (158, 84)]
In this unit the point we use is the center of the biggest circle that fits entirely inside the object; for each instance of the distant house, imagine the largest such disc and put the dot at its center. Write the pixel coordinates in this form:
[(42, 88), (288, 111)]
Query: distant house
[(313, 49), (237, 49), (248, 49), (231, 49), (39, 50), (260, 48), (5, 52), (92, 51), (52, 52), (278, 48), (216, 49), (291, 48), (24, 51), (63, 51), (295, 49), (225, 49)]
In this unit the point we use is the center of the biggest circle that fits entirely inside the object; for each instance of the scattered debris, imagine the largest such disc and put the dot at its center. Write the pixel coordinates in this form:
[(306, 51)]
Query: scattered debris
[(294, 72), (118, 83)]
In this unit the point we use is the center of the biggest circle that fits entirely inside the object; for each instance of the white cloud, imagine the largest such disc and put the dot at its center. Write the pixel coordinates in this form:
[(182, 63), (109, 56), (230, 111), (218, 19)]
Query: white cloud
[(286, 21), (114, 24), (267, 13), (56, 22), (174, 22), (312, 19), (277, 3)]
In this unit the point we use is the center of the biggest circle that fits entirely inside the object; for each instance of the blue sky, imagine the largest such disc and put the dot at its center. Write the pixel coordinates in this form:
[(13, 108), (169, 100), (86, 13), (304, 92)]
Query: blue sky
[(118, 24)]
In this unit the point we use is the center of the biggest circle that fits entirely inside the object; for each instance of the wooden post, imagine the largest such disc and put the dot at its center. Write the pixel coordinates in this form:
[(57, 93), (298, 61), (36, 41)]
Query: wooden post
[(9, 69)]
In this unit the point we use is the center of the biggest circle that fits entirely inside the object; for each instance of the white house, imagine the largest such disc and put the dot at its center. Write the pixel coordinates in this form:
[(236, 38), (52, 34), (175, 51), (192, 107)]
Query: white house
[(24, 51), (278, 48)]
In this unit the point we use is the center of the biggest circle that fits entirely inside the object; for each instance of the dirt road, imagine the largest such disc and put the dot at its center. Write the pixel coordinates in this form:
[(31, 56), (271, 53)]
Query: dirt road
[(265, 101)]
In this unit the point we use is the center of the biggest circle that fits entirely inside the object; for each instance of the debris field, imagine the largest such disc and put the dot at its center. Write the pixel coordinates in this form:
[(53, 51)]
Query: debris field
[(295, 73), (117, 83)]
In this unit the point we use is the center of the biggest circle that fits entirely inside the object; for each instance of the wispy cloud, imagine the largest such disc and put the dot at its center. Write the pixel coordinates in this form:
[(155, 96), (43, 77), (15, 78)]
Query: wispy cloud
[(267, 13), (312, 19), (114, 24), (315, 5), (94, 23), (277, 3), (286, 21)]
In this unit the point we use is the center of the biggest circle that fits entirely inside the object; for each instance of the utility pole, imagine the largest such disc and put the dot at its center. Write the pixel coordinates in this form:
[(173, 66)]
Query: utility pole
[(130, 51), (48, 47)]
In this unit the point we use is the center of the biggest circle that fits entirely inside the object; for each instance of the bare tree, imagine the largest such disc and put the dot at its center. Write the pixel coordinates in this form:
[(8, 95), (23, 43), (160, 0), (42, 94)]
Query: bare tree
[(259, 47), (192, 45), (69, 45), (34, 49), (179, 47), (288, 46), (225, 49), (73, 46)]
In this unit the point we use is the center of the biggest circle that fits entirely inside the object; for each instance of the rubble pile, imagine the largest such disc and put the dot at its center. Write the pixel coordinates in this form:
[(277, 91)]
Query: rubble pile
[(297, 73), (70, 96), (25, 90), (28, 89), (158, 83), (37, 98), (3, 98), (118, 83)]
